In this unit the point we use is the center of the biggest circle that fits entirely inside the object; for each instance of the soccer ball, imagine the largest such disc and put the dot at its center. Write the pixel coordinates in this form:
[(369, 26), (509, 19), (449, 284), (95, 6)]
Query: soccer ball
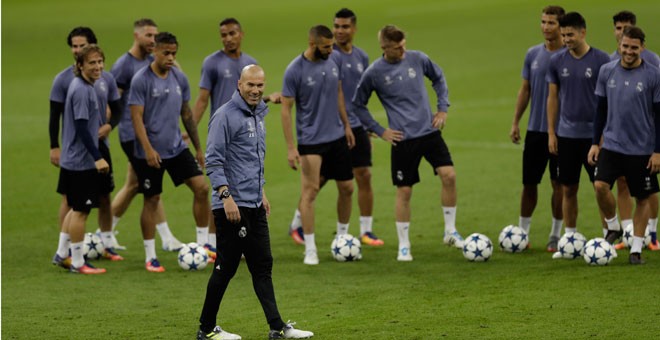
[(192, 257), (92, 246), (477, 248), (628, 234), (513, 239), (346, 248), (598, 252), (571, 245)]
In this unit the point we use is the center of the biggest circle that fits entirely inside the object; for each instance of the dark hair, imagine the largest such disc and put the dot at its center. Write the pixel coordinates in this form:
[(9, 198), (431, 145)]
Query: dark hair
[(572, 19), (165, 38), (391, 33), (625, 16), (320, 31), (634, 32), (554, 10), (82, 56), (346, 13), (229, 21), (81, 31), (144, 22)]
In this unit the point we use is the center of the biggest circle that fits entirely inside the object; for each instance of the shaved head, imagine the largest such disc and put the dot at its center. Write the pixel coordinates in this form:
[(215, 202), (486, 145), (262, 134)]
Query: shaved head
[(251, 84), (251, 71)]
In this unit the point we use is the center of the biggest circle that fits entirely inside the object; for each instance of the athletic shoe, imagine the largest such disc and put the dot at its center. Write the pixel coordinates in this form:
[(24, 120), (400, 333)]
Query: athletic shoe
[(110, 254), (453, 239), (635, 258), (557, 256), (115, 243), (217, 334), (613, 236), (87, 268), (64, 262), (288, 332), (551, 247), (172, 244), (311, 258), (654, 246), (211, 251), (154, 266), (370, 239), (620, 246), (297, 235), (404, 254)]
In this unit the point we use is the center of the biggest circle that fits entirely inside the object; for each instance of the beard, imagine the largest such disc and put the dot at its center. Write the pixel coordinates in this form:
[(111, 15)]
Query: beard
[(320, 55)]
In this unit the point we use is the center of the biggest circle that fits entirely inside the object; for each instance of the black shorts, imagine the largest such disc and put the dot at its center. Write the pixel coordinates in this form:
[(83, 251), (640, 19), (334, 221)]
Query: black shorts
[(536, 157), (335, 159), (82, 188), (572, 157), (107, 180), (407, 155), (612, 165), (129, 150), (180, 168), (361, 152)]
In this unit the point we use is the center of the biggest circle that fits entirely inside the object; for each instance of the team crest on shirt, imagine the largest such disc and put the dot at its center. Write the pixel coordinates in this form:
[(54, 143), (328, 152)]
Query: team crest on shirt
[(564, 72), (102, 86), (335, 72), (178, 90), (227, 73), (588, 73), (250, 129), (360, 67), (388, 80), (611, 83), (261, 125), (310, 81), (639, 87), (535, 65), (411, 73)]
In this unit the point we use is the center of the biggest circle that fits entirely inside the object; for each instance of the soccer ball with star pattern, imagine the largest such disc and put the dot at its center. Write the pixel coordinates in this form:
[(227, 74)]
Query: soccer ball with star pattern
[(598, 252), (513, 239), (477, 248), (571, 245), (628, 233), (192, 257), (92, 246), (346, 248)]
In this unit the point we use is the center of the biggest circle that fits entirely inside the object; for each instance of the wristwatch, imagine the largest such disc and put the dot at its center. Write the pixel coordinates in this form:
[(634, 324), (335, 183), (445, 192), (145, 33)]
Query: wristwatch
[(225, 194)]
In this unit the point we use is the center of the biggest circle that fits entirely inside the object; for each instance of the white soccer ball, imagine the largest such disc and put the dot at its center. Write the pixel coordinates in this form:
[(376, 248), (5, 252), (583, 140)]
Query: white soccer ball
[(628, 234), (346, 248), (513, 239), (477, 248), (598, 252), (92, 246), (571, 245), (192, 257)]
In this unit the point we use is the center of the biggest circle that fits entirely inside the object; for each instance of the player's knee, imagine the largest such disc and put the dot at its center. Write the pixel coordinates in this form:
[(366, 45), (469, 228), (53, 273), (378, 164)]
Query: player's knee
[(448, 176), (345, 188), (601, 187), (362, 176)]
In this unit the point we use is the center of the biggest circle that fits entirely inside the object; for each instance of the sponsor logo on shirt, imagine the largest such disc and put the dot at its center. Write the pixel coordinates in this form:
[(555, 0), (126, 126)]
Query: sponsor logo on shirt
[(155, 92), (310, 81), (564, 73), (227, 73), (388, 80), (411, 73), (611, 83), (588, 73), (535, 65)]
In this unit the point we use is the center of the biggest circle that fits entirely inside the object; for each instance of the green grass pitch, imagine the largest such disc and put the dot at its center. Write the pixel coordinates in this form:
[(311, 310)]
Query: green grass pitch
[(479, 44)]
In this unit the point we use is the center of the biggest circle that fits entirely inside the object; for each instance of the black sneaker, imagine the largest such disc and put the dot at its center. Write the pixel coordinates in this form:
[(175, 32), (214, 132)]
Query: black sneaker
[(613, 236), (635, 258)]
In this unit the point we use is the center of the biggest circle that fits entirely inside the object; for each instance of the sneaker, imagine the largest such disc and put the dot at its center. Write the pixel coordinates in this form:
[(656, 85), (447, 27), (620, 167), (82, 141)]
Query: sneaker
[(297, 235), (635, 258), (620, 246), (115, 243), (613, 236), (370, 239), (311, 258), (217, 334), (654, 246), (64, 262), (172, 244), (288, 332), (551, 247), (453, 239), (404, 254), (87, 268), (154, 266), (557, 255), (211, 251), (110, 254)]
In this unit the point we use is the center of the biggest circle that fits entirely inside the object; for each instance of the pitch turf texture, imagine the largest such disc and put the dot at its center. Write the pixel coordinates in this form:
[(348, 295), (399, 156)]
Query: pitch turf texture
[(479, 44)]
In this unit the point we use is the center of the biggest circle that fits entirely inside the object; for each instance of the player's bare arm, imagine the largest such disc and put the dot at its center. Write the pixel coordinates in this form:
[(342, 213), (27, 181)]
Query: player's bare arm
[(521, 105), (344, 118), (592, 156), (191, 128), (201, 104), (553, 109), (151, 155), (654, 163), (439, 120), (293, 157)]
